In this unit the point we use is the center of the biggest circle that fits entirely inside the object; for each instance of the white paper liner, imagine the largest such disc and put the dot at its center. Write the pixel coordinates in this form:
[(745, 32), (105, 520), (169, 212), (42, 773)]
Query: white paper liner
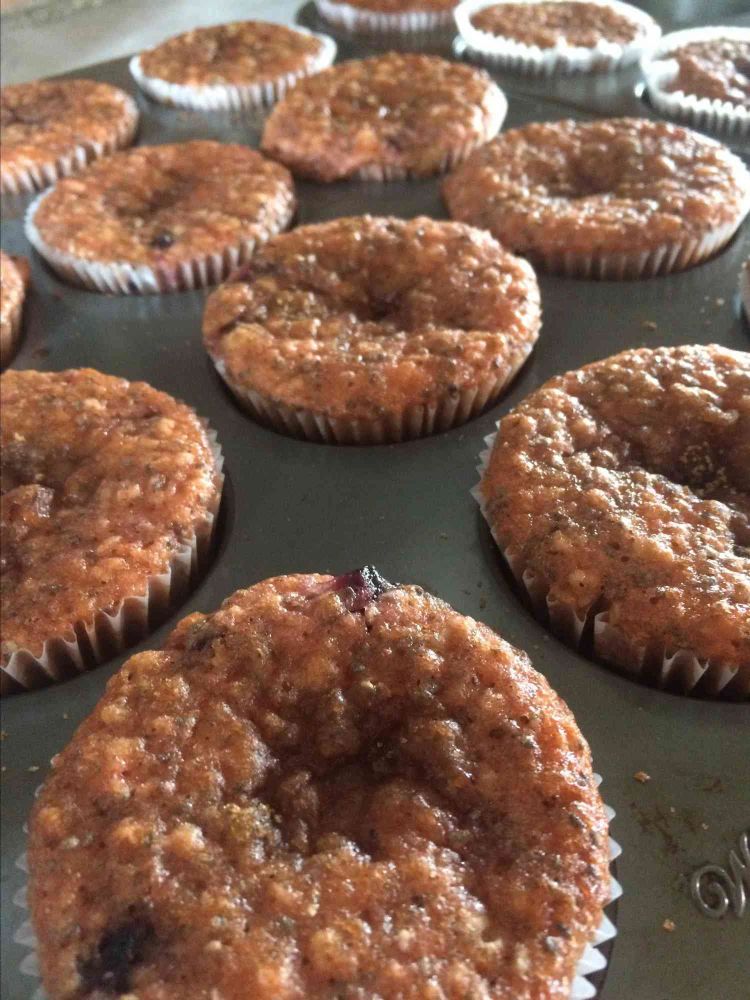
[(357, 19), (506, 53), (90, 643), (18, 179), (676, 670), (412, 422), (494, 118), (231, 97), (591, 961), (731, 121), (122, 278)]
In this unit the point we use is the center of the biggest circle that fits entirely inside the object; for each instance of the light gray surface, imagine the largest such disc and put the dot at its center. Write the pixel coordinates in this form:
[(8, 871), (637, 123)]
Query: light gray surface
[(294, 506)]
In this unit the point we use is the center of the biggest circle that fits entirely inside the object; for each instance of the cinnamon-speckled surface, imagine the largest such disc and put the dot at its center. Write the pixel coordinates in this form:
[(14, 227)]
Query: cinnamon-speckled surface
[(544, 24)]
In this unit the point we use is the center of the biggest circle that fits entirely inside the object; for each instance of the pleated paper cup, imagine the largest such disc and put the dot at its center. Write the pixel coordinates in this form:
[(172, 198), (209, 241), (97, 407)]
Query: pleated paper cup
[(592, 962), (531, 60), (123, 278), (358, 20), (112, 630), (411, 422), (26, 178), (723, 118), (494, 118), (681, 671), (231, 97)]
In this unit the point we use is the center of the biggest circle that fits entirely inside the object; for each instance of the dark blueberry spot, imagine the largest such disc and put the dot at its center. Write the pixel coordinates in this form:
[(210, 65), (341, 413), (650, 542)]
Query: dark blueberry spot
[(109, 968), (162, 240), (365, 585)]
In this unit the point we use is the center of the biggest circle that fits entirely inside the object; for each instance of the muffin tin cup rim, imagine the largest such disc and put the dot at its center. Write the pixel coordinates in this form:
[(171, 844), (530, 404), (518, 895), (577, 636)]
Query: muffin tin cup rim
[(533, 60), (231, 97)]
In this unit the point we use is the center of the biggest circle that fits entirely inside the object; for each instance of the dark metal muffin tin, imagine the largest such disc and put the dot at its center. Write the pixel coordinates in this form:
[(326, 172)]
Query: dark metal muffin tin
[(294, 506)]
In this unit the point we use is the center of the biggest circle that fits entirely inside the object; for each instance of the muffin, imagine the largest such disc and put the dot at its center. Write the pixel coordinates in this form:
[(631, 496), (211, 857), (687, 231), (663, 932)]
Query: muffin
[(161, 218), (328, 787), (542, 37), (14, 277), (392, 16), (109, 495), (702, 76), (365, 330), (245, 64), (52, 128), (620, 497), (391, 116), (614, 198)]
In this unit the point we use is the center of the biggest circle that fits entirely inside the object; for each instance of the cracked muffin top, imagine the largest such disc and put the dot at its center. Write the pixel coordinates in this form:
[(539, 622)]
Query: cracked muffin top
[(330, 787), (716, 68), (163, 205), (545, 25), (103, 481), (364, 316), (242, 52), (625, 486), (414, 114), (399, 6), (14, 277), (48, 119), (614, 185)]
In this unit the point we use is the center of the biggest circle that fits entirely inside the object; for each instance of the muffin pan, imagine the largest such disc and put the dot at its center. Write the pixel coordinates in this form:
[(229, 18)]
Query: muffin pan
[(291, 505)]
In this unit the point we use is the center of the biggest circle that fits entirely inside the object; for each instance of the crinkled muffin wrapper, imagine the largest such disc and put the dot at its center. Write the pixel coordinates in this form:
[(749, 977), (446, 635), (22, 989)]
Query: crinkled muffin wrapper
[(412, 422), (723, 118), (9, 338), (494, 119), (359, 20), (231, 97), (591, 962), (123, 278), (109, 632), (19, 180), (680, 671), (531, 60)]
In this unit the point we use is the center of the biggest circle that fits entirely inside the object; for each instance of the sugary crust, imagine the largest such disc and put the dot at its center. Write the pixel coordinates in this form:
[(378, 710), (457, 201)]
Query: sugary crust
[(609, 186), (243, 52), (44, 121), (400, 6), (716, 68), (363, 317), (310, 794), (546, 24), (14, 277), (625, 485), (399, 111), (162, 205), (102, 481)]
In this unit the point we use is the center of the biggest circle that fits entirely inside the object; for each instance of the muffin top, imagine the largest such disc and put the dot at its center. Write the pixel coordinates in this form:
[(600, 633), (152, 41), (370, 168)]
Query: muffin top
[(103, 482), (619, 184), (399, 110), (362, 317), (329, 787), (160, 205), (716, 68), (548, 25), (14, 276), (47, 119), (399, 6), (243, 52), (626, 486)]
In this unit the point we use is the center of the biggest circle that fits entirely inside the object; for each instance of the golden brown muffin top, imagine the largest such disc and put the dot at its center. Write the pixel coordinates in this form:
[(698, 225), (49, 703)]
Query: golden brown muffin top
[(47, 119), (399, 6), (243, 52), (14, 277), (619, 184), (716, 68), (398, 109), (103, 482), (161, 205), (326, 788), (546, 25), (362, 317), (626, 486)]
